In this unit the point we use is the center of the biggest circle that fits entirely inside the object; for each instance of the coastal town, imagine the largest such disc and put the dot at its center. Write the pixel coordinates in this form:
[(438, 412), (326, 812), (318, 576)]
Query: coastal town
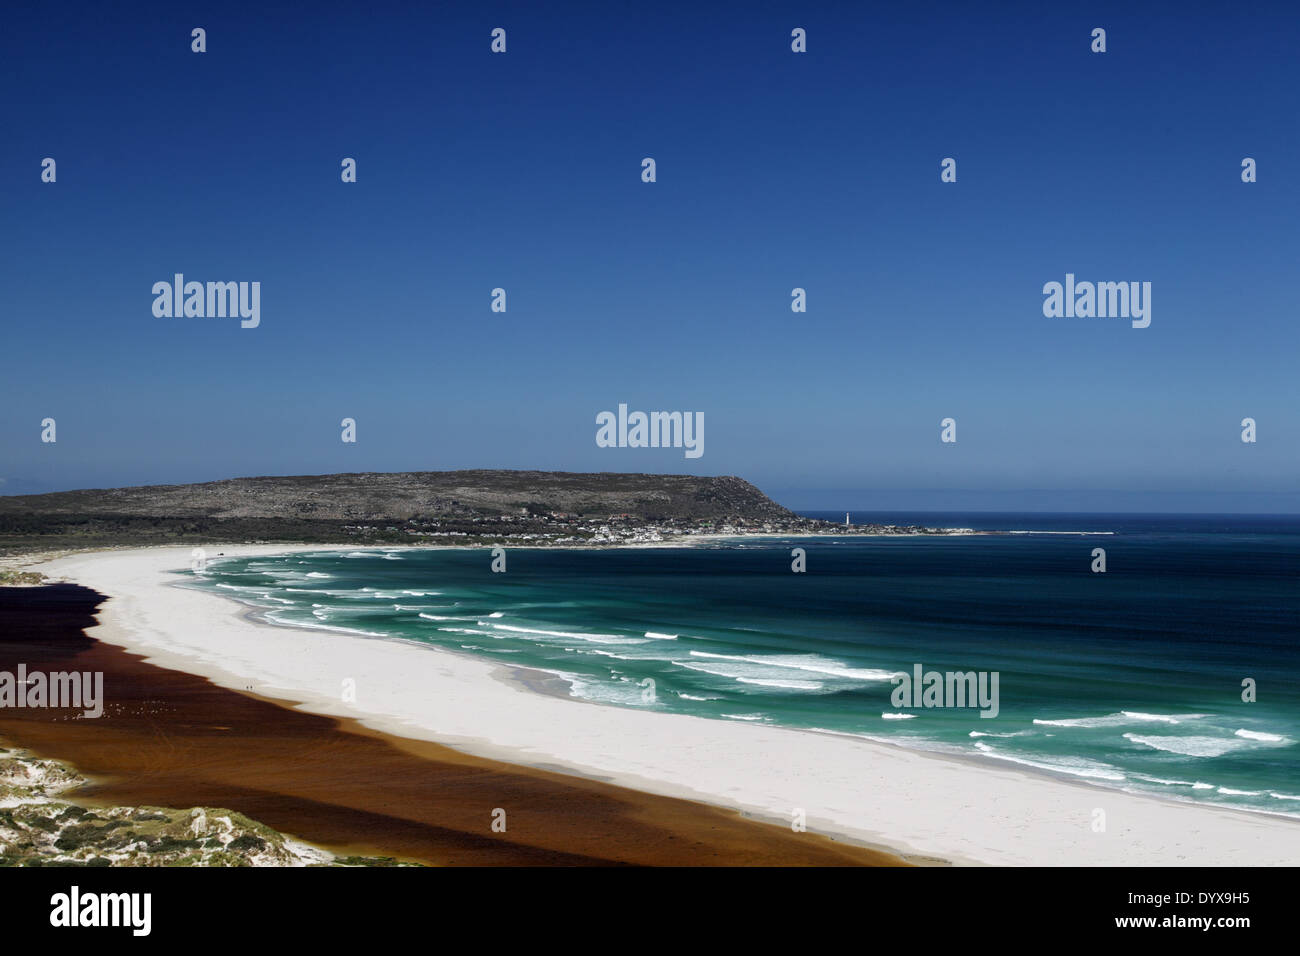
[(559, 528)]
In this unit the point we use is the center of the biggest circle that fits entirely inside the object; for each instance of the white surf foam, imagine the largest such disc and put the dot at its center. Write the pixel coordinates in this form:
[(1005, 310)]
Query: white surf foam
[(814, 663), (571, 635), (1075, 766), (1118, 720), (1190, 746), (783, 684), (1261, 736)]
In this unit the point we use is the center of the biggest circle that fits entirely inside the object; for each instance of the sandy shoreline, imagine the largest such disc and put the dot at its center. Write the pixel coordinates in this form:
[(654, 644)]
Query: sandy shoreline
[(170, 739), (913, 803)]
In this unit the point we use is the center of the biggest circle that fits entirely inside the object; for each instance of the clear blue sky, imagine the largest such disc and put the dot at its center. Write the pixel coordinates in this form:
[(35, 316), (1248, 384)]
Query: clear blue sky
[(775, 170)]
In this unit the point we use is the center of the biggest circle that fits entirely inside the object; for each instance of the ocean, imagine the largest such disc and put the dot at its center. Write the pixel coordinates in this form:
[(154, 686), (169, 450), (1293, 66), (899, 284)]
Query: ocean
[(1131, 678)]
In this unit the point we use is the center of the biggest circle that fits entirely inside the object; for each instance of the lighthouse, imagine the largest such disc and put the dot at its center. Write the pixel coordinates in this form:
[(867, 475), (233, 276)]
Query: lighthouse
[(846, 519)]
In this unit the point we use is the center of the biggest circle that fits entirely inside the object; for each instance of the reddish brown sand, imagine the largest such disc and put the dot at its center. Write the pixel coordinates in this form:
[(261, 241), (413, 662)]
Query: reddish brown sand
[(172, 739)]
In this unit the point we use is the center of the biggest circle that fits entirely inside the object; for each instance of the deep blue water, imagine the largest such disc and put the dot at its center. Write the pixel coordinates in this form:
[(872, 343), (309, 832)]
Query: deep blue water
[(1132, 677)]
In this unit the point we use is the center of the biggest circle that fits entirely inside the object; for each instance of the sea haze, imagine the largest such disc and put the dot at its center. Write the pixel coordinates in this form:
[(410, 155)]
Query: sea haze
[(1131, 678)]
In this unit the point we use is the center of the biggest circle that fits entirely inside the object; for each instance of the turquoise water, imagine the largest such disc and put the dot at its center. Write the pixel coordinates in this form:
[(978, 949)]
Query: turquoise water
[(1131, 678)]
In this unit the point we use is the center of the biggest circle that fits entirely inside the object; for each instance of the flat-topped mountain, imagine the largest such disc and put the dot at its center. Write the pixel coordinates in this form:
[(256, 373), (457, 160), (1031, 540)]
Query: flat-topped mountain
[(429, 507), (420, 495)]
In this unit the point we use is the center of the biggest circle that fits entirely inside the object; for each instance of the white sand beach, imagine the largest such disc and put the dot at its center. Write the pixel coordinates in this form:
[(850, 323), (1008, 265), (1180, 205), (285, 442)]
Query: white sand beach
[(913, 803)]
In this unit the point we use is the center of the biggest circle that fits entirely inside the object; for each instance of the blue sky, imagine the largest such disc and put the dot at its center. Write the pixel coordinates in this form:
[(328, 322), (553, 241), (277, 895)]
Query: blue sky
[(775, 170)]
